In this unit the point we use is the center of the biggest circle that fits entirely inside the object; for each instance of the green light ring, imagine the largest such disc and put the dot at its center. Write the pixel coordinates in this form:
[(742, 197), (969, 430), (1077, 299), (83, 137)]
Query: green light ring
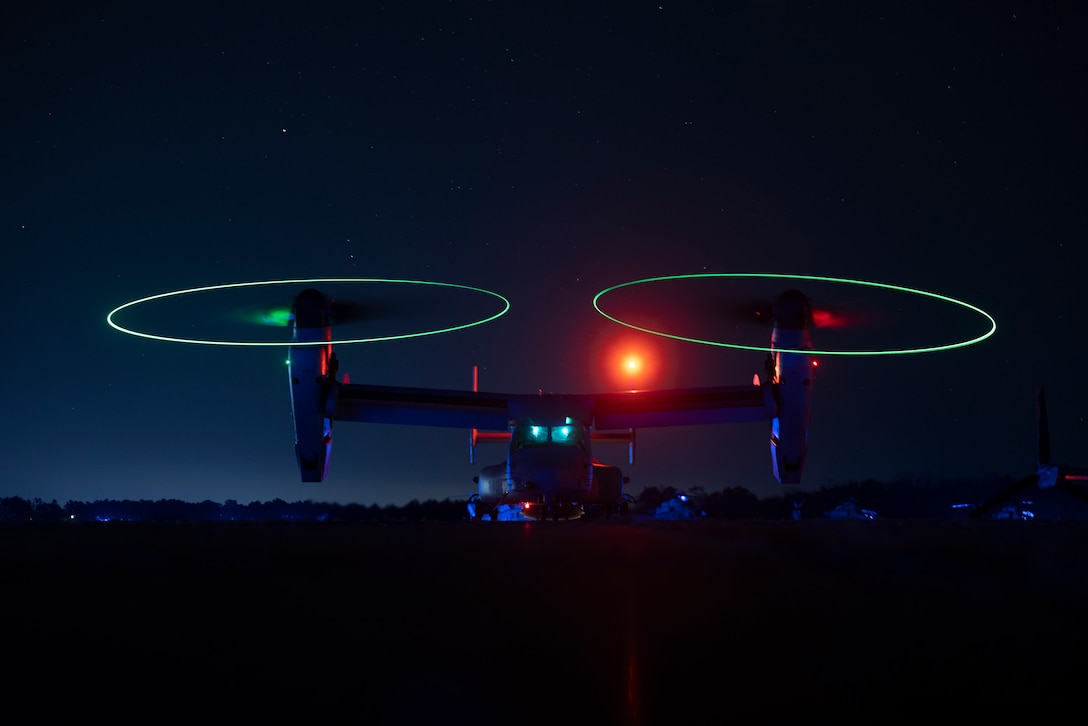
[(816, 278), (209, 288)]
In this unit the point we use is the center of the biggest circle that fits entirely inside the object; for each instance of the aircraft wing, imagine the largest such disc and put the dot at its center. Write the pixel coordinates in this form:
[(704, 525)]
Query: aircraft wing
[(422, 407), (494, 411), (681, 407)]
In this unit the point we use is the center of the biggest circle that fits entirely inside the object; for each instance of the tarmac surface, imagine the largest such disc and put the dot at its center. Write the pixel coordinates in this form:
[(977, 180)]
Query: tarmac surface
[(685, 622)]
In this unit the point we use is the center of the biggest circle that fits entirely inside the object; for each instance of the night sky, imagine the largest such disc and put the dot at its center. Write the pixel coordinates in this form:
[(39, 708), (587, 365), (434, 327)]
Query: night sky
[(543, 151)]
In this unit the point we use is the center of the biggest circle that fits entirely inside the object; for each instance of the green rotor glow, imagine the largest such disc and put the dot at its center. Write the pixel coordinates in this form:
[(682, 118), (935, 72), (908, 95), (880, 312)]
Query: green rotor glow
[(282, 317), (811, 278), (277, 317)]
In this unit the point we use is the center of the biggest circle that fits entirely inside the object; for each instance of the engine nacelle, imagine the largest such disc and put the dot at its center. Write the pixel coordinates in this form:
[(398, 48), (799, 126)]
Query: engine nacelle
[(313, 429), (311, 373), (792, 386)]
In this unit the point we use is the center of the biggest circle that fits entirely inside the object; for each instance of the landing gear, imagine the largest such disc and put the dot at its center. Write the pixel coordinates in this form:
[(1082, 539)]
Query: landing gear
[(477, 510), (546, 512)]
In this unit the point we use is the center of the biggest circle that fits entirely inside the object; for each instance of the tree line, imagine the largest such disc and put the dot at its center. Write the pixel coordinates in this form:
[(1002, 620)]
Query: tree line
[(903, 498), (17, 509)]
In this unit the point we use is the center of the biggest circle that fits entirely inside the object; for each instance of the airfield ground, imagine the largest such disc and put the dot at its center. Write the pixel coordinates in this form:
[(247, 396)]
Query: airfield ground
[(533, 622)]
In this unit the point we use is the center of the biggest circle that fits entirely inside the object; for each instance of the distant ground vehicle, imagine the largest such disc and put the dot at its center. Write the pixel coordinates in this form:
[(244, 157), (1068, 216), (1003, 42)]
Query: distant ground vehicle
[(850, 510)]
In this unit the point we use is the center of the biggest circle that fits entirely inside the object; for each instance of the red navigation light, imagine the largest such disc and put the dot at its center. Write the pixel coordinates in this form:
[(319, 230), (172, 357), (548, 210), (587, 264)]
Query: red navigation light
[(827, 319)]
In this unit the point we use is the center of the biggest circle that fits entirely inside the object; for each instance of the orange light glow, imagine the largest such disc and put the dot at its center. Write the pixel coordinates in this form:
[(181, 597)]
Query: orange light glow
[(633, 365), (630, 362)]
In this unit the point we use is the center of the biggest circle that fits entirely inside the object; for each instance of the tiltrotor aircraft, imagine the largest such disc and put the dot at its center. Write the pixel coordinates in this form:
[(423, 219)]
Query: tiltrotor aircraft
[(549, 469)]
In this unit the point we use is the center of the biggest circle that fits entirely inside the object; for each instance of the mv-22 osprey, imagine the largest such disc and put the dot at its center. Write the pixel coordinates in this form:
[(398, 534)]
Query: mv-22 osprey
[(549, 469)]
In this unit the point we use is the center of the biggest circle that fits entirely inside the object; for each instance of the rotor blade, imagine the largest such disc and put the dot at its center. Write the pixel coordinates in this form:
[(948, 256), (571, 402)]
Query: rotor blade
[(1070, 488), (340, 312), (751, 311), (825, 317), (279, 316), (742, 311), (1005, 495), (351, 311), (843, 313), (343, 311)]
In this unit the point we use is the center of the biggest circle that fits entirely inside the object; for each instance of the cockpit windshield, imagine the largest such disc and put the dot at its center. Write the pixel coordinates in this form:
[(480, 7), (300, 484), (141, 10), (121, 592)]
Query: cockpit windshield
[(530, 433)]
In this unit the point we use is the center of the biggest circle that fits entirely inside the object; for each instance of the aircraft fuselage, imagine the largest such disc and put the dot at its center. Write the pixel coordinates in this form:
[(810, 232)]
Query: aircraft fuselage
[(550, 470)]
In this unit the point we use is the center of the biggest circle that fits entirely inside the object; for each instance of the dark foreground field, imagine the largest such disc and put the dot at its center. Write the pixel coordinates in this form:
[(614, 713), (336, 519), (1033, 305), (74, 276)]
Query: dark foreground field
[(514, 623)]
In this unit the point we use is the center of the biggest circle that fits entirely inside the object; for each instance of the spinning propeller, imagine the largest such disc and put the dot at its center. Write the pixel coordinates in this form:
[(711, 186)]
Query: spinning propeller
[(765, 313), (340, 312)]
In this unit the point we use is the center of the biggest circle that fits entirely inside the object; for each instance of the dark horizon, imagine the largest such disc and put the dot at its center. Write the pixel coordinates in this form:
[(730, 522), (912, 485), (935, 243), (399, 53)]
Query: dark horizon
[(894, 500)]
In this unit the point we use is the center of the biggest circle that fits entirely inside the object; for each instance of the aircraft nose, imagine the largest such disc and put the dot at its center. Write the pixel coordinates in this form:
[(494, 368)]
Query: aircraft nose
[(551, 472)]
